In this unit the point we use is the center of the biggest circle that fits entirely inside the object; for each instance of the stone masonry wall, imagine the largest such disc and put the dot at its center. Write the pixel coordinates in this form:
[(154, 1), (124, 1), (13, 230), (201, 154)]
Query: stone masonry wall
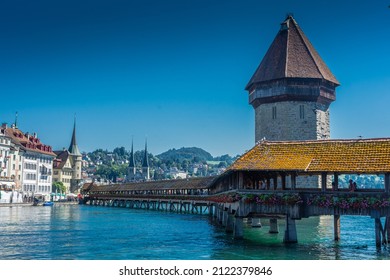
[(292, 120)]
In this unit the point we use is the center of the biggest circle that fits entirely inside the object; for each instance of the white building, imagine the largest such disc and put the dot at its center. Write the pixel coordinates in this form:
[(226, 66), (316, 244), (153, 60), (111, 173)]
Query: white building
[(31, 163)]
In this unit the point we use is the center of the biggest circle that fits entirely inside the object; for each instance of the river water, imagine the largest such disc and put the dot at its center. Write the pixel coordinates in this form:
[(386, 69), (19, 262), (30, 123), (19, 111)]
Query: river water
[(83, 232)]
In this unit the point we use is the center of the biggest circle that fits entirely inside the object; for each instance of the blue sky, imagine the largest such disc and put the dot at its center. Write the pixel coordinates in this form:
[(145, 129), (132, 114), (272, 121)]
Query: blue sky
[(174, 71)]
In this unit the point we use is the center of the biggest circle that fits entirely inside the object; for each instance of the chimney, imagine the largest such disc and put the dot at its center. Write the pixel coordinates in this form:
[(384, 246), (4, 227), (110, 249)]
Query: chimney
[(4, 125)]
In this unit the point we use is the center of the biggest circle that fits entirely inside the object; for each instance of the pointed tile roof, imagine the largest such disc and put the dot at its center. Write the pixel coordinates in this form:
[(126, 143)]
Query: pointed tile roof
[(291, 55), (145, 162), (73, 148), (131, 159)]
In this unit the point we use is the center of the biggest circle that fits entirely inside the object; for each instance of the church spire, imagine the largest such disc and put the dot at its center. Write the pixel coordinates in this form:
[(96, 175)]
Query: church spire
[(73, 148), (131, 160), (145, 162), (16, 120)]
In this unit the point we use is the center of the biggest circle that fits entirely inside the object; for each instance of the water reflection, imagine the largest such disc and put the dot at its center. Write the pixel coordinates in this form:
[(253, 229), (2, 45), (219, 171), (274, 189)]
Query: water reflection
[(85, 232)]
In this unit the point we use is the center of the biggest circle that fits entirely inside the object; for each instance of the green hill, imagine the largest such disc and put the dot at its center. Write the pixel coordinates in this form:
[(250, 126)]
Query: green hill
[(190, 154)]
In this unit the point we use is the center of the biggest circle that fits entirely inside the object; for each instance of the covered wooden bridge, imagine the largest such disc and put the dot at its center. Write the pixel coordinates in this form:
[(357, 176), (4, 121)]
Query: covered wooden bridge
[(275, 180), (299, 179), (184, 195)]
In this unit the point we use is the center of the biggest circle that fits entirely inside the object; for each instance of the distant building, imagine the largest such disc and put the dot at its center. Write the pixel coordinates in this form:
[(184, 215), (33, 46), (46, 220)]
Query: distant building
[(292, 89), (6, 181), (175, 173), (134, 174), (31, 162), (67, 165), (145, 164)]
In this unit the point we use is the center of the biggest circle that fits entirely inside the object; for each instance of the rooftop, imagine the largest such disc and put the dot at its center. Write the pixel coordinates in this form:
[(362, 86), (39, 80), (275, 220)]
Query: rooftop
[(357, 156), (291, 55)]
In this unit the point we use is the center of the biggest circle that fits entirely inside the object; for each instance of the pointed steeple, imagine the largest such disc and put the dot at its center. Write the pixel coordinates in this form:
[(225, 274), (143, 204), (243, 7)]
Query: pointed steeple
[(73, 148), (145, 162), (131, 159), (16, 120), (291, 55)]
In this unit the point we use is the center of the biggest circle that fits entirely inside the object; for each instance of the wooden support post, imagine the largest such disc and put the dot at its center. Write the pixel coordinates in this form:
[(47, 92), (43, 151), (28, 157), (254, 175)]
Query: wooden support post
[(273, 226), (387, 229), (323, 181), (336, 182), (290, 234), (275, 179), (336, 227), (268, 183), (224, 217), (230, 223), (238, 232), (211, 212), (378, 235), (283, 182), (383, 232), (256, 222), (240, 180), (293, 181), (387, 183), (220, 215)]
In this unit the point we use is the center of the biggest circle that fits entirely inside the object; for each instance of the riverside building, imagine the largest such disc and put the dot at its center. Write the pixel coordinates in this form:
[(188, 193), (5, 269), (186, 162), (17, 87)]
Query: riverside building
[(31, 164), (67, 166)]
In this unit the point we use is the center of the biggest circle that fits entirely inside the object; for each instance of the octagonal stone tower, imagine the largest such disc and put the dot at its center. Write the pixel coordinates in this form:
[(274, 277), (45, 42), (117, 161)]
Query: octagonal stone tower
[(292, 89)]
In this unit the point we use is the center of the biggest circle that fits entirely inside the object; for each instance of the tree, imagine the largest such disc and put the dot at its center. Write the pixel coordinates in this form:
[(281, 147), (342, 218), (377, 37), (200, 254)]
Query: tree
[(58, 187)]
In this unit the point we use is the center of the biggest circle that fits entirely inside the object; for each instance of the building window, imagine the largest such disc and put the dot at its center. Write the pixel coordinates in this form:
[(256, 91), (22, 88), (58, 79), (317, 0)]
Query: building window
[(274, 112), (301, 111)]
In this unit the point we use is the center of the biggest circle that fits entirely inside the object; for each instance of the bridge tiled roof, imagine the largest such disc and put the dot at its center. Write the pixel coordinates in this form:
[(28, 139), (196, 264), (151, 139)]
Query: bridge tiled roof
[(190, 183), (358, 156)]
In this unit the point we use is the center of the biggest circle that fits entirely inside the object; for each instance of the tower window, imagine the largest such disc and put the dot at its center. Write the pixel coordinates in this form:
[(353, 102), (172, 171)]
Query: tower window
[(274, 113), (301, 111)]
